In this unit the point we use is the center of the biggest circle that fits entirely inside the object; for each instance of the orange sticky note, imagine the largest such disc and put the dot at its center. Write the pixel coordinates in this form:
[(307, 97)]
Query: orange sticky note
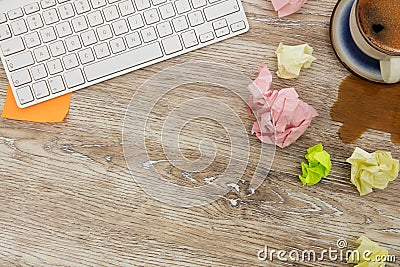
[(53, 110)]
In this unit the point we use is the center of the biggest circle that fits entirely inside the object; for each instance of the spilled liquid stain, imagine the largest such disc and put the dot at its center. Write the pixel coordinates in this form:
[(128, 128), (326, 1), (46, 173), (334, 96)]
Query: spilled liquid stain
[(364, 105)]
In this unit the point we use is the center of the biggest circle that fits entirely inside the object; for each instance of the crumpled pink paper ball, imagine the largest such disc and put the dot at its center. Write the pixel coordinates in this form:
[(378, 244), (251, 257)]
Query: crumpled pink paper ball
[(287, 7), (283, 117)]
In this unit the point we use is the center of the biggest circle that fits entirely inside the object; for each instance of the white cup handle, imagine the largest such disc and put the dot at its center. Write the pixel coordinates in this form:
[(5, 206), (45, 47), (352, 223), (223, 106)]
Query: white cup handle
[(390, 69)]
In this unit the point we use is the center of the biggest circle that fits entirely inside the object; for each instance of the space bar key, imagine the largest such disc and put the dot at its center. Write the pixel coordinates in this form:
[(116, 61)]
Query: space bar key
[(123, 61)]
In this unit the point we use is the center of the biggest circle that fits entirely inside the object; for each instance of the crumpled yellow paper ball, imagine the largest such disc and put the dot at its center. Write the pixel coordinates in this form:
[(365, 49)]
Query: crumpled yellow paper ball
[(368, 254), (292, 58), (369, 170)]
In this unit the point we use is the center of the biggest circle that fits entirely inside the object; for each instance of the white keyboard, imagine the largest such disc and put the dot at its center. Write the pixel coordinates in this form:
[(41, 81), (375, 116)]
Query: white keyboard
[(50, 48)]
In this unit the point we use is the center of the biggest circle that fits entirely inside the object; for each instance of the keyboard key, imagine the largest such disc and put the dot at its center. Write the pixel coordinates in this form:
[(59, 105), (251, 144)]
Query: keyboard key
[(110, 13), (24, 94), (57, 49), (54, 66), (3, 18), (5, 32), (205, 37), (48, 3), (219, 24), (182, 6), (199, 3), (180, 23), (142, 4), (164, 29), (31, 8), (48, 34), (195, 18), (95, 18), (82, 6), (104, 32), (221, 9), (73, 43), (133, 40), (66, 11), (222, 32), (135, 22), (120, 27), (15, 13), (56, 84), (35, 22), (12, 46), (172, 44), (39, 72), (126, 8), (238, 26), (70, 61), (123, 61), (167, 11), (40, 89), (86, 56), (74, 78), (21, 77), (19, 61), (158, 2), (41, 53), (63, 29), (117, 45), (79, 24), (189, 39), (32, 39), (151, 16), (89, 38), (148, 34), (50, 16), (98, 3), (18, 27), (102, 50)]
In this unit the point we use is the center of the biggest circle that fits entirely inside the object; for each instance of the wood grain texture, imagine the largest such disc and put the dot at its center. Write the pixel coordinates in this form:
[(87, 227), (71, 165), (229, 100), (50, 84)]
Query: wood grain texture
[(67, 197)]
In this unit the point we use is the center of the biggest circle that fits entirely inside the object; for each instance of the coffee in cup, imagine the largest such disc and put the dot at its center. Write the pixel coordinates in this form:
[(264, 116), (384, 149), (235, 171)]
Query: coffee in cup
[(380, 23), (375, 28)]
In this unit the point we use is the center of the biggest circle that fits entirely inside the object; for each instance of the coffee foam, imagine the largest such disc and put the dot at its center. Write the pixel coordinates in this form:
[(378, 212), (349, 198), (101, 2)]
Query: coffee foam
[(380, 22)]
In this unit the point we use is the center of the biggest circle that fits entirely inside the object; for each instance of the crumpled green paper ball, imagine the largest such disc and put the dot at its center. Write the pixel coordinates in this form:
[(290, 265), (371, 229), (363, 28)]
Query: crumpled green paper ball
[(319, 165), (372, 170)]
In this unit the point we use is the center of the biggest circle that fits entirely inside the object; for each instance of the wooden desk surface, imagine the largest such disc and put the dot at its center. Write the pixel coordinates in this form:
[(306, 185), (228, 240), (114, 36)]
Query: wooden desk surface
[(67, 197)]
